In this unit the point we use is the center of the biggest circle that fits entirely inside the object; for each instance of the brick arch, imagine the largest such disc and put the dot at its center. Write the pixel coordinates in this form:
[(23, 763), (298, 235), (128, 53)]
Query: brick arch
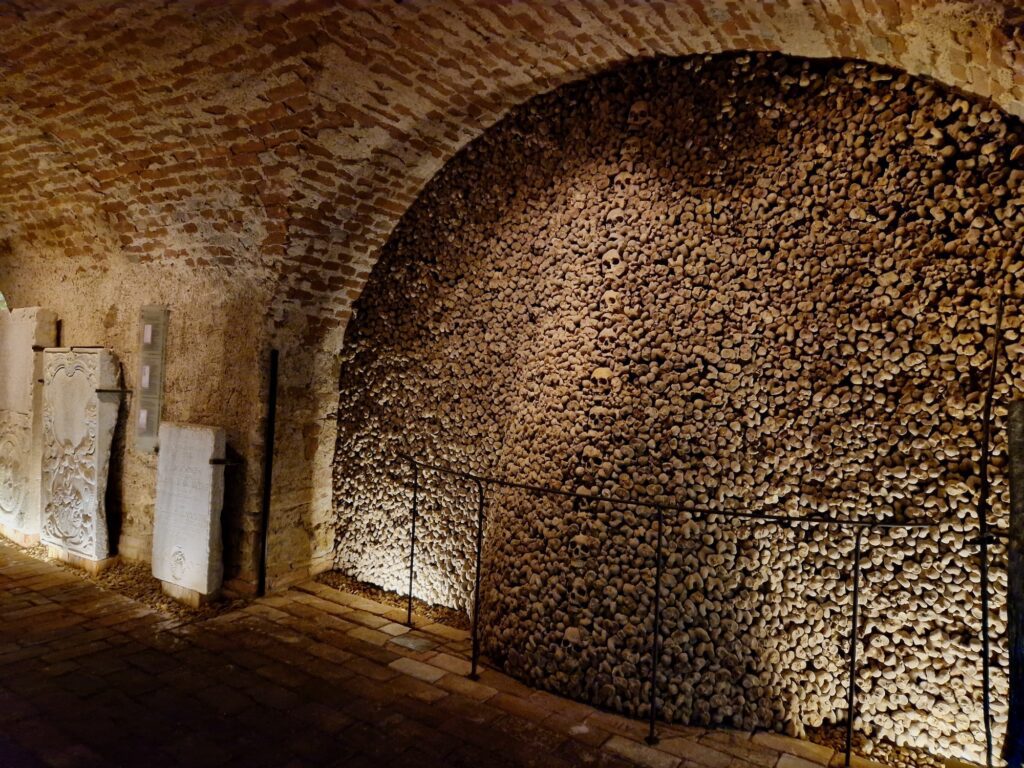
[(287, 138), (236, 153), (971, 46), (974, 47)]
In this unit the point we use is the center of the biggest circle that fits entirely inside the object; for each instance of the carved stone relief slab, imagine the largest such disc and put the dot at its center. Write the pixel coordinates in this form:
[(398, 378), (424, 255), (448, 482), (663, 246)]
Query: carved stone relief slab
[(187, 547), (23, 334), (15, 446), (78, 428)]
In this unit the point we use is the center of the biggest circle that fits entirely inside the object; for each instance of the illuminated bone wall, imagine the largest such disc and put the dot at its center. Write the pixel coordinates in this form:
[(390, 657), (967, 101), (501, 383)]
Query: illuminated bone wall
[(727, 283)]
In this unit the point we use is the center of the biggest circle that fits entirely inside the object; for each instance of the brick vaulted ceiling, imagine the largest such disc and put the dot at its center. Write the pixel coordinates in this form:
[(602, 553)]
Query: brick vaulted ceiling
[(244, 162), (285, 139)]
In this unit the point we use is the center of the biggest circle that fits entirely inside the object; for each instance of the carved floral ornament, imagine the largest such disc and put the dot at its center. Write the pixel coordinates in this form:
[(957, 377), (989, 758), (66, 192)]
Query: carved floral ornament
[(69, 465), (13, 447)]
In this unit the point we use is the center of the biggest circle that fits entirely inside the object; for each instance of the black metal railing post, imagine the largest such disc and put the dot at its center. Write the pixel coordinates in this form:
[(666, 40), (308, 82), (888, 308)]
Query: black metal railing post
[(984, 507), (1013, 744), (700, 515), (473, 675), (851, 692), (412, 534), (652, 737)]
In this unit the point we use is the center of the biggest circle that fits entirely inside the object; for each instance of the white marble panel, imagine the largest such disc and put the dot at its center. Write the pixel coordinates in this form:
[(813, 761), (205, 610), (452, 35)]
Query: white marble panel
[(78, 428), (187, 547), (23, 334)]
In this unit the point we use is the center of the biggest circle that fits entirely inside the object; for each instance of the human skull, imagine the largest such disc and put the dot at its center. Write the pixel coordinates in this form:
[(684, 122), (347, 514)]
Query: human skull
[(638, 114), (615, 216), (613, 263), (611, 301), (596, 416), (580, 546)]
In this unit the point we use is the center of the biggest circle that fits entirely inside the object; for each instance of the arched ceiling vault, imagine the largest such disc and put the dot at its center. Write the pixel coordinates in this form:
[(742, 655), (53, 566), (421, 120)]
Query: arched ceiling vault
[(286, 139)]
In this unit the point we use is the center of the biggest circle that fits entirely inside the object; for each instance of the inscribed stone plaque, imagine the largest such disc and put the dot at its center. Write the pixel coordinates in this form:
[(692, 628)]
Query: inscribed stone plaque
[(23, 334), (189, 497), (78, 427)]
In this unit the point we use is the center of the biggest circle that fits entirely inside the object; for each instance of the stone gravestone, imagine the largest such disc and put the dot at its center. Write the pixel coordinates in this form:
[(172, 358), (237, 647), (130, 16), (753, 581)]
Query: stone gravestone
[(80, 405), (187, 547), (23, 335)]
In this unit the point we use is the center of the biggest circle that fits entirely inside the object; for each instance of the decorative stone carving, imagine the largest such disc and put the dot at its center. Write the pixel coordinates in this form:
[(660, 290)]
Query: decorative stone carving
[(15, 437), (78, 428), (187, 547), (23, 333)]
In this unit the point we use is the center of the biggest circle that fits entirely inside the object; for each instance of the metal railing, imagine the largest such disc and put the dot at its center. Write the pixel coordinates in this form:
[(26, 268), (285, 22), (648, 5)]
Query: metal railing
[(482, 483)]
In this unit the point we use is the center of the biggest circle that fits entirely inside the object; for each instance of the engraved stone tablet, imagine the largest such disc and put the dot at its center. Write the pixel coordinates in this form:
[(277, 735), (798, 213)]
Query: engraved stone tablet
[(189, 497), (23, 334), (78, 428)]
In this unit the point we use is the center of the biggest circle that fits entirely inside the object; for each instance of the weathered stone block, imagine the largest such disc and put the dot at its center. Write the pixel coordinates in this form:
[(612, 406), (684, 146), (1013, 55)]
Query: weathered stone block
[(187, 545), (79, 418), (23, 333)]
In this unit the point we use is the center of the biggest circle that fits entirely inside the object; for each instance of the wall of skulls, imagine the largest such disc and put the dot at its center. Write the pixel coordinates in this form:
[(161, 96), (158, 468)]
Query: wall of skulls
[(736, 283)]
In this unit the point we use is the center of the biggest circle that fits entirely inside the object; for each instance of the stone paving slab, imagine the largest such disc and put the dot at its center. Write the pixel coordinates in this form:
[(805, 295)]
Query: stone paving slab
[(814, 753), (311, 677)]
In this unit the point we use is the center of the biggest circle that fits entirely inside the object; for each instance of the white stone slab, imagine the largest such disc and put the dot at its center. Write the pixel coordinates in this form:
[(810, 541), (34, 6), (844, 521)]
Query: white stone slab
[(23, 334), (187, 547), (78, 428)]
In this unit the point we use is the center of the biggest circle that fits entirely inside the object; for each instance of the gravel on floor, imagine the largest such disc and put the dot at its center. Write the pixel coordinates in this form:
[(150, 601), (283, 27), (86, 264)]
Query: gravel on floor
[(136, 581)]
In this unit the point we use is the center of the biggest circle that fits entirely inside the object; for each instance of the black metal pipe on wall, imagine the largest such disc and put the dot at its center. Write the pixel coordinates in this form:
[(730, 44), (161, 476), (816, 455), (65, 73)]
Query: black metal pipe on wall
[(268, 471)]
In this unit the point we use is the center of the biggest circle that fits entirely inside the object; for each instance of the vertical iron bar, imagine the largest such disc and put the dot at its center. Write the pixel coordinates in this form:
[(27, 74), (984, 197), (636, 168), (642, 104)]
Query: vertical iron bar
[(652, 739), (851, 692), (412, 534), (1013, 746), (476, 588), (268, 472), (983, 509), (986, 650)]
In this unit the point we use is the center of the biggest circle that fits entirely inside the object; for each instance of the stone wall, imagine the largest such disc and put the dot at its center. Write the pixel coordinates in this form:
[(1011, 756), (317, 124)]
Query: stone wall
[(243, 162), (215, 375), (736, 283)]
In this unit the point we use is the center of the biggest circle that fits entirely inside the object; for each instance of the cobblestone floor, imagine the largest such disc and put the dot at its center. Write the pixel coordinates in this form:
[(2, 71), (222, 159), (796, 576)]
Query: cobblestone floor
[(310, 677)]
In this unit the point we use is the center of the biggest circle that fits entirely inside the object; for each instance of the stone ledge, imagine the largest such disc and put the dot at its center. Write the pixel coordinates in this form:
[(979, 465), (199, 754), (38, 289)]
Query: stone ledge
[(787, 760), (807, 750), (839, 760), (189, 597), (640, 753), (26, 540), (81, 562)]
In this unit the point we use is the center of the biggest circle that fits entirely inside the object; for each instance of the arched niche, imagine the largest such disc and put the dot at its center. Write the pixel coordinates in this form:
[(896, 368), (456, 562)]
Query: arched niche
[(735, 282)]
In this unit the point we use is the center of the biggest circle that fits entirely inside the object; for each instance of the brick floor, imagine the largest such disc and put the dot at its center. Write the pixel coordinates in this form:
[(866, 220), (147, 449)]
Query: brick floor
[(311, 677)]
